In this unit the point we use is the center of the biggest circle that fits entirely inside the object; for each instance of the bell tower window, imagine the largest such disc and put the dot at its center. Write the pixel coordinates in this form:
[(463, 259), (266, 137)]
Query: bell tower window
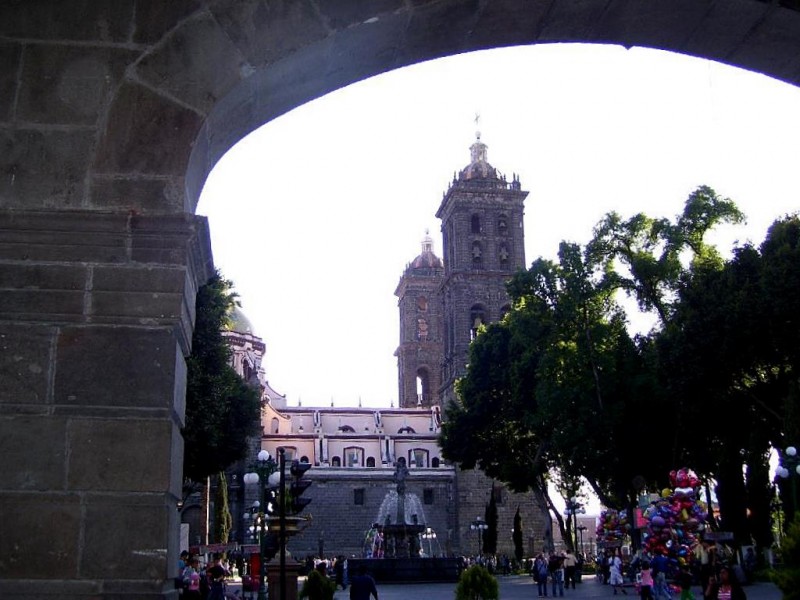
[(502, 225), (475, 224), (477, 253), (423, 385), (477, 318)]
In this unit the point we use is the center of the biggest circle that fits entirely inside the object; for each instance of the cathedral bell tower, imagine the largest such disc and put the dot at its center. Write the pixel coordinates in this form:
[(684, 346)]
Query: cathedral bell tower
[(482, 229), (419, 355)]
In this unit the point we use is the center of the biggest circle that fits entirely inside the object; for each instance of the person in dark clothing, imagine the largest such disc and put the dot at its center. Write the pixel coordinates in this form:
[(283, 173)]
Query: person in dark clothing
[(362, 586), (216, 576)]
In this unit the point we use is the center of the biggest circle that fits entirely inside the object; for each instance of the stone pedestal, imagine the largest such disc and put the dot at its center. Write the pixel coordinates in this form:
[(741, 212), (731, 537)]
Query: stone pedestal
[(274, 579), (96, 317)]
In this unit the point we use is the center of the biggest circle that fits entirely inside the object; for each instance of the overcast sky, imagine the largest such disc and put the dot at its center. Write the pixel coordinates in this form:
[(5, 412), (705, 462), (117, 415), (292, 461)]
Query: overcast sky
[(315, 215)]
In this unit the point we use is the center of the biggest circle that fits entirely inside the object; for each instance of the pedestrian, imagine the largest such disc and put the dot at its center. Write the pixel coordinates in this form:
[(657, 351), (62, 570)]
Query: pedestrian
[(556, 567), (615, 573), (362, 586), (724, 587), (685, 583), (570, 562), (216, 578), (191, 579), (646, 582), (659, 566), (540, 574)]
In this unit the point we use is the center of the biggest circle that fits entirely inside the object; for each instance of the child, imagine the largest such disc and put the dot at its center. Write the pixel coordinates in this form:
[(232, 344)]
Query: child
[(646, 584), (685, 581)]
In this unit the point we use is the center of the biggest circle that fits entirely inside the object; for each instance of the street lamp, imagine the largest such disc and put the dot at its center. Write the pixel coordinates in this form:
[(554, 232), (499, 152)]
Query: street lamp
[(429, 534), (265, 466), (573, 509), (790, 465), (581, 529), (480, 526)]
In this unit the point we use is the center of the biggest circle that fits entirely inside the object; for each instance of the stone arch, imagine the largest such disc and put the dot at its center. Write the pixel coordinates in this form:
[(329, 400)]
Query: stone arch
[(111, 116)]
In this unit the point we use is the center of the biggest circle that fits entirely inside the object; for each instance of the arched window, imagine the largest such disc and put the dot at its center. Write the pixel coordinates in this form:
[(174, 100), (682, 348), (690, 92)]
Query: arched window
[(406, 429), (247, 371), (475, 224), (435, 462), (275, 426), (346, 429), (422, 329), (477, 318), (502, 225), (418, 457), (354, 456), (303, 459), (423, 385), (422, 304), (371, 461), (477, 253), (503, 254), (336, 461)]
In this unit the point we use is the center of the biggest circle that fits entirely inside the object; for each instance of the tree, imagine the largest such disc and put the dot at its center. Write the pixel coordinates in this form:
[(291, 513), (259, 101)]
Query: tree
[(222, 514), (517, 537), (221, 409), (476, 583), (490, 515)]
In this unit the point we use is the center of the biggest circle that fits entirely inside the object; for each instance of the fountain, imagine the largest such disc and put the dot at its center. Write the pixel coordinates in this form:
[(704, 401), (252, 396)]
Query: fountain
[(392, 545)]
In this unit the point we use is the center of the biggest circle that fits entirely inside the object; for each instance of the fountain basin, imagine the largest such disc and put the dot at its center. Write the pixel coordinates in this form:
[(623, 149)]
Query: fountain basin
[(409, 570)]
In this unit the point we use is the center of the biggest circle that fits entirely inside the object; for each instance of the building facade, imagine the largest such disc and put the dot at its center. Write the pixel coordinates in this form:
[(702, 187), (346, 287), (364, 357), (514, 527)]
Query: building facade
[(354, 451)]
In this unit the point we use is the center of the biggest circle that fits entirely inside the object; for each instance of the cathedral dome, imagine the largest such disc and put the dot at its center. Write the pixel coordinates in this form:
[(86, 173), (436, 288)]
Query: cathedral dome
[(239, 322), (427, 259), (479, 167)]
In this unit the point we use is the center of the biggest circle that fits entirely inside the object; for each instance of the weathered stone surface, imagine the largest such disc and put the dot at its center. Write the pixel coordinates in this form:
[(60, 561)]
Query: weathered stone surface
[(140, 194), (35, 304), (124, 537), (438, 30), (34, 451), (774, 47), (216, 63), (350, 58), (146, 134), (115, 366), (69, 84), (144, 294), (39, 536), (571, 20), (63, 236), (508, 23), (81, 20), (9, 66), (155, 17), (107, 455), (724, 28), (341, 15), (43, 169), (25, 365), (266, 30)]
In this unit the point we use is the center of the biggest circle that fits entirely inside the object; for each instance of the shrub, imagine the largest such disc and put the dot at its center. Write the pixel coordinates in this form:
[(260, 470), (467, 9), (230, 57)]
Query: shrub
[(476, 583), (787, 578)]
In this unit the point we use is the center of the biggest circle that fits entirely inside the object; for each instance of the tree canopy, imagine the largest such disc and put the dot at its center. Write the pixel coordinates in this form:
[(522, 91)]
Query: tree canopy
[(560, 386), (221, 409)]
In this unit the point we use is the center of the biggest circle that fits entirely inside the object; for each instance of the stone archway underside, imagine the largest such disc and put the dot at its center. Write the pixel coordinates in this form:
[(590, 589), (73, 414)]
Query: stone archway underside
[(111, 116)]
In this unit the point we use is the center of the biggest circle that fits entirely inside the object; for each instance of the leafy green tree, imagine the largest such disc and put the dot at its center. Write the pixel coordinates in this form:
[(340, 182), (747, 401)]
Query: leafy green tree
[(476, 583), (221, 409), (222, 514), (490, 535), (787, 578), (518, 537)]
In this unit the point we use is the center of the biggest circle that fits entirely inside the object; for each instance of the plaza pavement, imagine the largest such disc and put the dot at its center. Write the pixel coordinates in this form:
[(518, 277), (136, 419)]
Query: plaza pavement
[(518, 587)]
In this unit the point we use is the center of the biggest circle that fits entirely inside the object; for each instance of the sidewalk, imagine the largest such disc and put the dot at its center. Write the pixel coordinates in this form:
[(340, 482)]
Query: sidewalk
[(518, 587)]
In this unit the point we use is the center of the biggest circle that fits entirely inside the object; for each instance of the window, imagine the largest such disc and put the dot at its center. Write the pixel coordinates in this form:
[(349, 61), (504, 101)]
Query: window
[(477, 318), (427, 496), (346, 429), (303, 459), (354, 457), (497, 492), (422, 330), (336, 461), (502, 225), (275, 425), (475, 224), (289, 452), (477, 253), (422, 304), (358, 496), (423, 385), (371, 461), (406, 429), (418, 458), (503, 254), (435, 462)]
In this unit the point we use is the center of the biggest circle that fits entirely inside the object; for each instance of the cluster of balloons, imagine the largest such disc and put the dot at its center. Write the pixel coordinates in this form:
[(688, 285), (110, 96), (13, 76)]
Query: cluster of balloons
[(675, 519), (613, 526)]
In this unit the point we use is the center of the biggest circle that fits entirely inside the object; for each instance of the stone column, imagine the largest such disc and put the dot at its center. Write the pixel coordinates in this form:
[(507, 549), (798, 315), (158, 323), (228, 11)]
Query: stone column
[(96, 315)]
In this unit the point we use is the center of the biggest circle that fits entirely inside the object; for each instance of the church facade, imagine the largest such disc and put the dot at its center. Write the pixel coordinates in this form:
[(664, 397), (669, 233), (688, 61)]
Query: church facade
[(353, 451)]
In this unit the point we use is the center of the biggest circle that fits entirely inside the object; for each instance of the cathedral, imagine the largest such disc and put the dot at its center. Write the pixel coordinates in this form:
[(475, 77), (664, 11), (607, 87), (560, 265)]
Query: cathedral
[(353, 451)]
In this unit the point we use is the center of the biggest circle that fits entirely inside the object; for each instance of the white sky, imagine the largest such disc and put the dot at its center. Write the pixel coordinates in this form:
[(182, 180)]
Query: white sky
[(315, 215)]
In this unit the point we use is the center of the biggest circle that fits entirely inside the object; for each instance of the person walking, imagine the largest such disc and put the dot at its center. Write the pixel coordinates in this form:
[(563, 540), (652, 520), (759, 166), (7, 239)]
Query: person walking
[(724, 587), (570, 562), (362, 586), (615, 573), (646, 582), (556, 567), (216, 576), (540, 574)]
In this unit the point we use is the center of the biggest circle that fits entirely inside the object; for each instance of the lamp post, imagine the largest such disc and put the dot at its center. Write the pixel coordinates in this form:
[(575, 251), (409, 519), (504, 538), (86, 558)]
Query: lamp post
[(581, 529), (264, 467), (790, 467), (573, 509), (480, 526), (430, 535)]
